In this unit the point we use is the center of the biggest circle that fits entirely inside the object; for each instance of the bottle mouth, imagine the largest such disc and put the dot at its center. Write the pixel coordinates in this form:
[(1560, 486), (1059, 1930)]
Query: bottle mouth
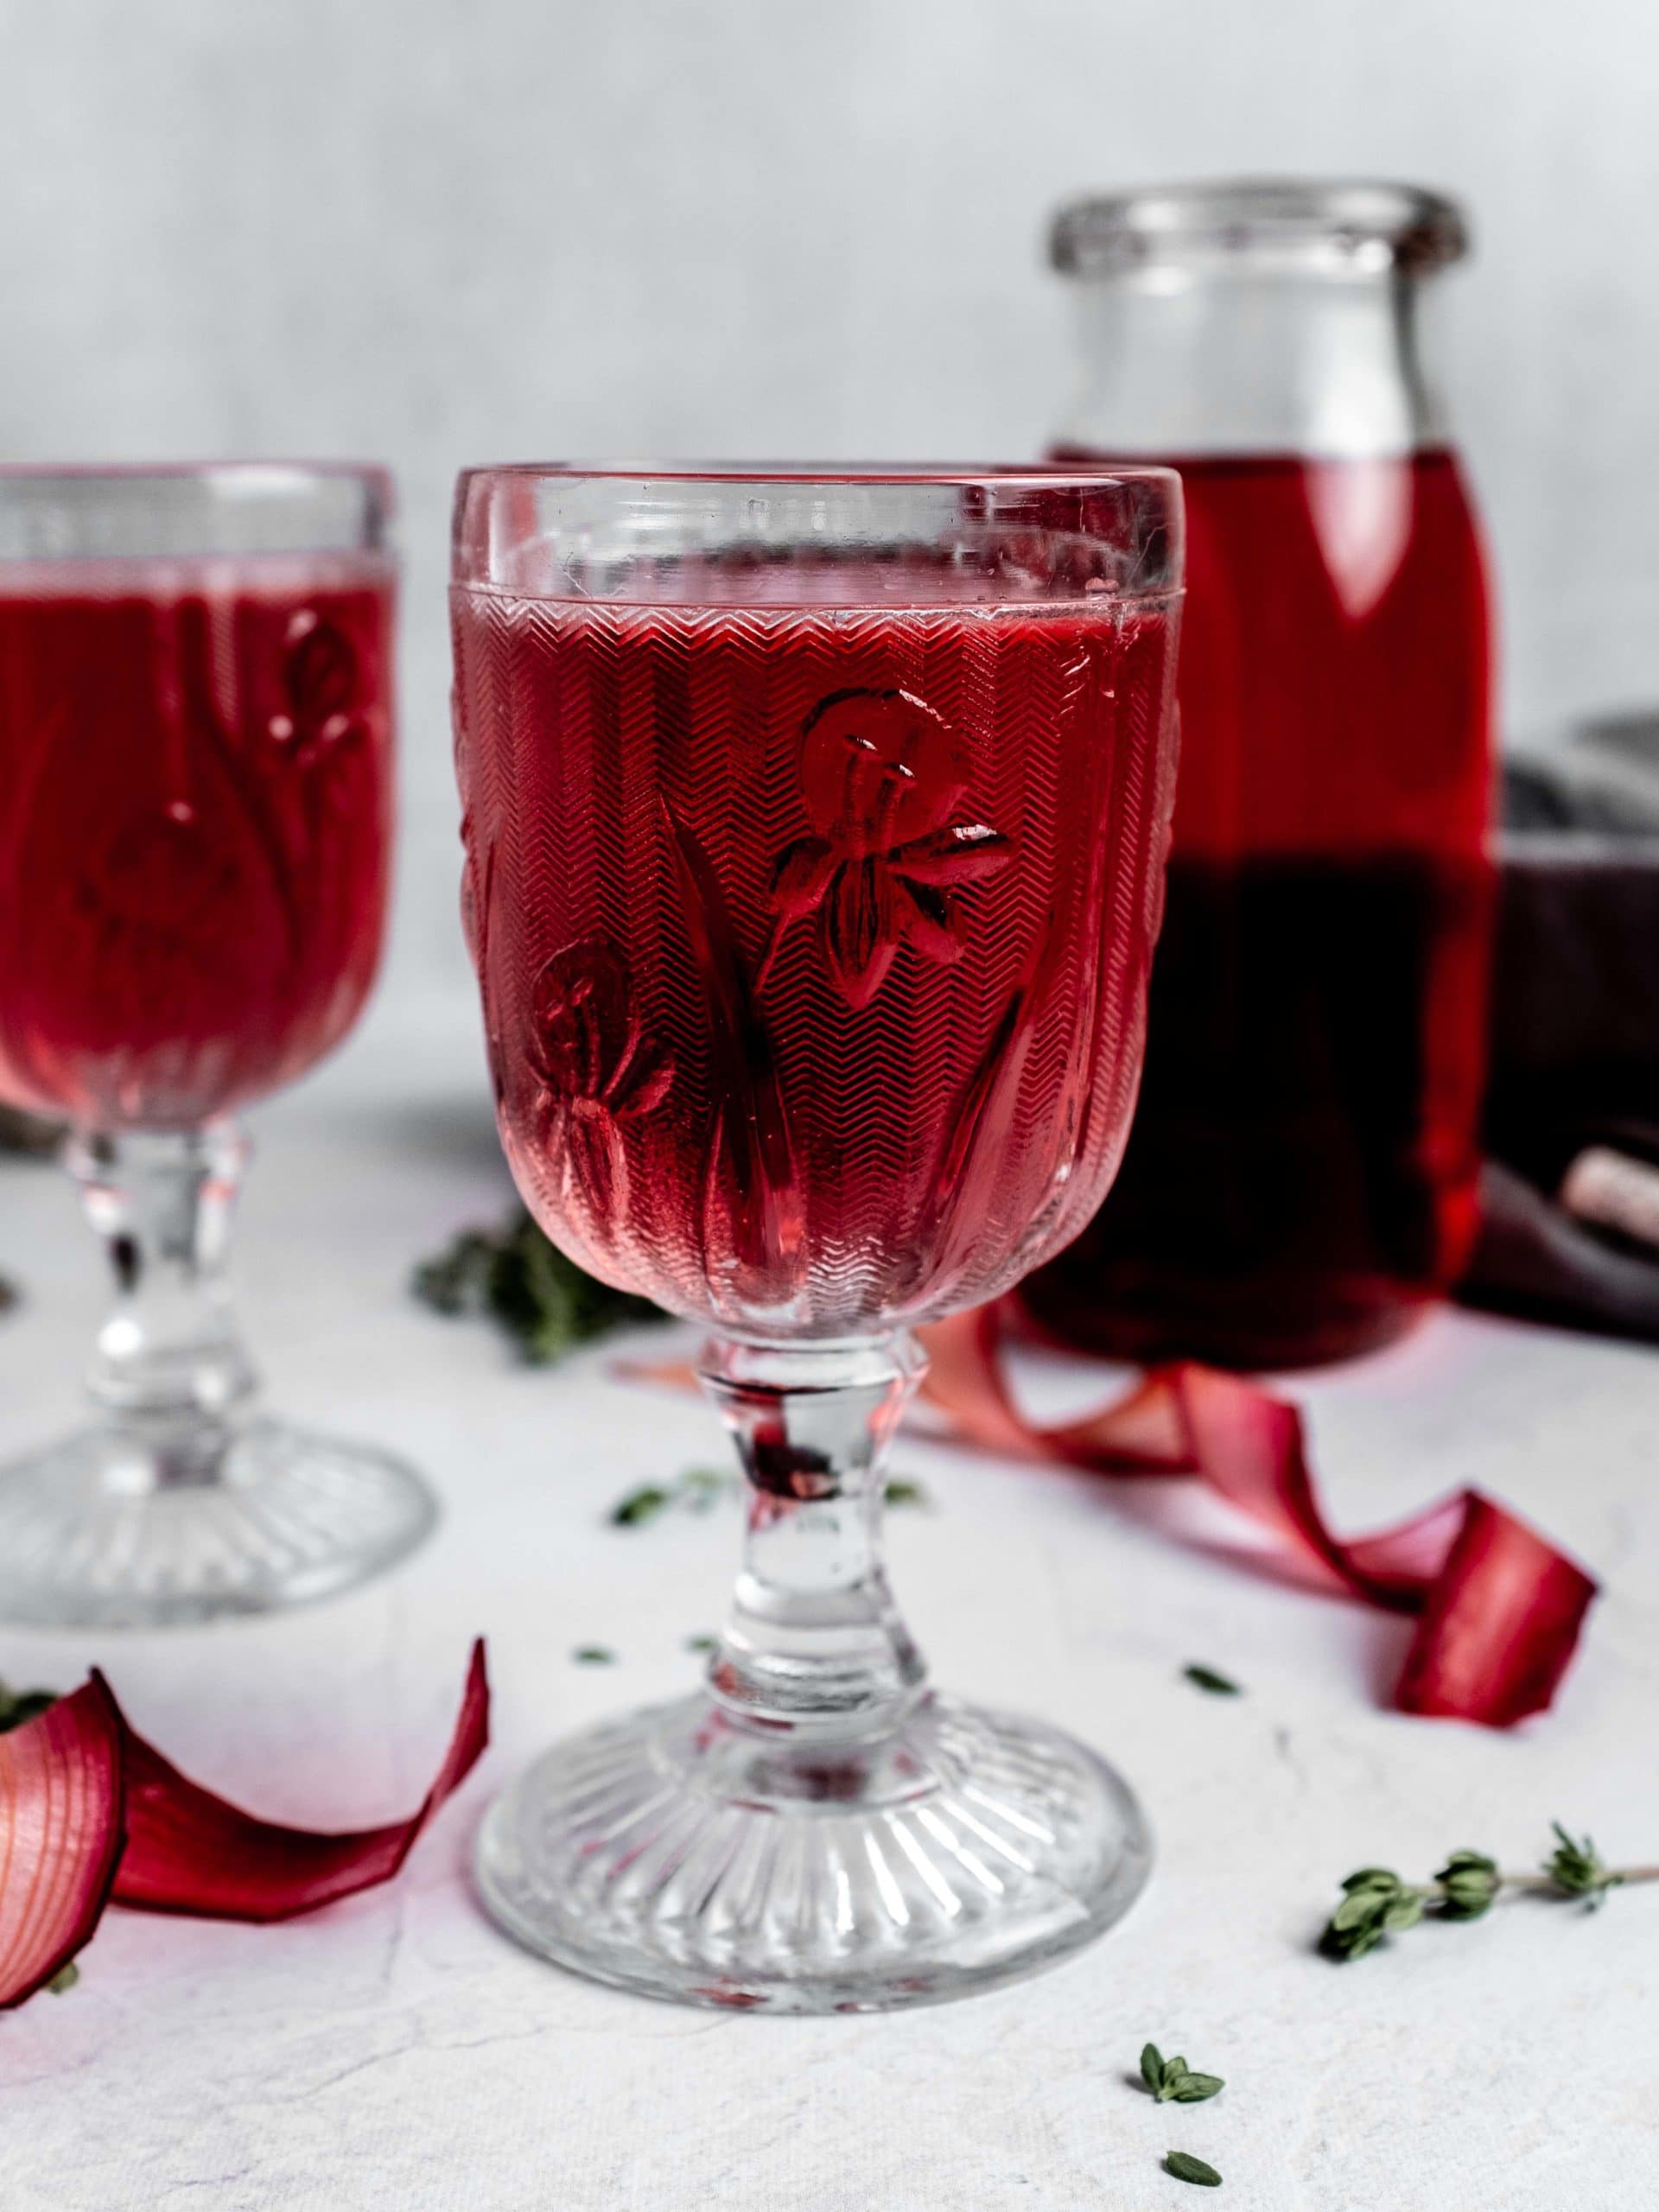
[(1343, 225)]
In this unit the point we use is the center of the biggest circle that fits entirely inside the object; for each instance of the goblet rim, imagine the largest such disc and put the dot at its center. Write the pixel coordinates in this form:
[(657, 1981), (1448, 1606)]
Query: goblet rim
[(1135, 511), (82, 514), (836, 474), (224, 464)]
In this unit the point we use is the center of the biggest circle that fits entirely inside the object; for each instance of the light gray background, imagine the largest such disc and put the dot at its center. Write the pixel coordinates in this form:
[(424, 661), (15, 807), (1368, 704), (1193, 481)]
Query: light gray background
[(444, 230)]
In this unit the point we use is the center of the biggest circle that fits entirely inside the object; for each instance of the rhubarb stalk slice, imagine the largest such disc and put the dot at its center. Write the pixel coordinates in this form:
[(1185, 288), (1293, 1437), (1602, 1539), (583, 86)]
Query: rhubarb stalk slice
[(90, 1814), (60, 1835), (189, 1850)]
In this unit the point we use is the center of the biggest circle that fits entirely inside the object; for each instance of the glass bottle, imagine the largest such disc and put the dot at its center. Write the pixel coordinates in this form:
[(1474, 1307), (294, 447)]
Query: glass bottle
[(1301, 1176)]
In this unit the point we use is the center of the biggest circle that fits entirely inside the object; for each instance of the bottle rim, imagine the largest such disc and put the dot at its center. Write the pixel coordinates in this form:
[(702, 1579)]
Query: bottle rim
[(1363, 225)]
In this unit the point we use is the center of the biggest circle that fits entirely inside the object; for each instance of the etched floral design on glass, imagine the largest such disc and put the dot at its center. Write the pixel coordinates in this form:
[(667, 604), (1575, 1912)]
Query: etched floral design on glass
[(321, 686), (196, 817), (165, 882), (597, 1068), (815, 829), (881, 774)]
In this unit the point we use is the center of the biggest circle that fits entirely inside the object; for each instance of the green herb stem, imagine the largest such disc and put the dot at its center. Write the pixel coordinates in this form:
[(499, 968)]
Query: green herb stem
[(1377, 1903), (1546, 1884)]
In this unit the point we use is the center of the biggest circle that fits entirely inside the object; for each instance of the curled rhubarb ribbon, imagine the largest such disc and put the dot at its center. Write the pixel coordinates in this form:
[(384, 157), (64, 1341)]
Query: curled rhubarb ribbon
[(1498, 1608), (90, 1813)]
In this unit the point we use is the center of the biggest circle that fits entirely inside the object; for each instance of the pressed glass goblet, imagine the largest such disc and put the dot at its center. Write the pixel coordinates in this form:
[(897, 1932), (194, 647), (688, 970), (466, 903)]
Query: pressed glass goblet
[(195, 812), (815, 831)]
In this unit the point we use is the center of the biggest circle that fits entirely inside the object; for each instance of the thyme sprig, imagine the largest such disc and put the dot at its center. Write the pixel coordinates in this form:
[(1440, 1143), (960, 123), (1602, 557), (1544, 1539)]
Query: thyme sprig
[(1377, 1903), (513, 1276)]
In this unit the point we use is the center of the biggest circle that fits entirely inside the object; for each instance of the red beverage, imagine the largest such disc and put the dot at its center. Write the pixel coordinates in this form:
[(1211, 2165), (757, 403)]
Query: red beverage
[(1301, 1173), (798, 1017), (195, 800)]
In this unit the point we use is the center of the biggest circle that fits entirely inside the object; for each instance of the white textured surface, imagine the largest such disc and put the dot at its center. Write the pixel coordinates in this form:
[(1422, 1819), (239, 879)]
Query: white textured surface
[(396, 2052)]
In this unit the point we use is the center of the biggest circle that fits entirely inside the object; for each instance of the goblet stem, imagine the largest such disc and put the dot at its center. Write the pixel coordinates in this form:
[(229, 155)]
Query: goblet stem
[(815, 1831), (814, 1645), (179, 1502), (169, 1367)]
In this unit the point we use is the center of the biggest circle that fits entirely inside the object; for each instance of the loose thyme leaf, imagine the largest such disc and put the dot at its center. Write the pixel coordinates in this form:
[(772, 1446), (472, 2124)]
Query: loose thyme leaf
[(639, 1506), (1173, 2079), (1206, 1678), (1186, 2167), (904, 1489), (704, 1643), (1195, 2088), (65, 1978), (593, 1655)]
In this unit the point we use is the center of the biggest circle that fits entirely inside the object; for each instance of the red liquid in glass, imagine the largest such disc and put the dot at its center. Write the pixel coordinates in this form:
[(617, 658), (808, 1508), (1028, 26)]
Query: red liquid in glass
[(813, 943), (196, 795), (1302, 1169)]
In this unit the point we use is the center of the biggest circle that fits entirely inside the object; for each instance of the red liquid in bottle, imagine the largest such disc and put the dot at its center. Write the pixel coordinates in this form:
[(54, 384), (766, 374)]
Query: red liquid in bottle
[(1301, 1173), (813, 942), (195, 794)]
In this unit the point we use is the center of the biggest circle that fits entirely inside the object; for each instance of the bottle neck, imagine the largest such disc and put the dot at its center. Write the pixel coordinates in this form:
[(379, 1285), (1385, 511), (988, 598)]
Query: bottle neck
[(1178, 363)]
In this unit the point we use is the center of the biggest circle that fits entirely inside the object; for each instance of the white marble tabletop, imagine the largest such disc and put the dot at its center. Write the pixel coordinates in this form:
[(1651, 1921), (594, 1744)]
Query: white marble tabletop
[(396, 2051)]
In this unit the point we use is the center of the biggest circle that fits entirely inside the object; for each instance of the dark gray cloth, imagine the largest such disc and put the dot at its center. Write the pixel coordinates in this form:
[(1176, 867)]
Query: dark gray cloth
[(1574, 1033)]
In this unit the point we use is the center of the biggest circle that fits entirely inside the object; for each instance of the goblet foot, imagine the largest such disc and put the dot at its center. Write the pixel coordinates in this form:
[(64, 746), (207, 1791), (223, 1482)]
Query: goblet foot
[(115, 1528), (675, 1853)]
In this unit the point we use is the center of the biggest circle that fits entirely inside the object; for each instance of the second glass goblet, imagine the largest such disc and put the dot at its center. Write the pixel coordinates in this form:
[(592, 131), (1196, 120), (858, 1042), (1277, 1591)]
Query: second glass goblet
[(815, 828), (195, 820)]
